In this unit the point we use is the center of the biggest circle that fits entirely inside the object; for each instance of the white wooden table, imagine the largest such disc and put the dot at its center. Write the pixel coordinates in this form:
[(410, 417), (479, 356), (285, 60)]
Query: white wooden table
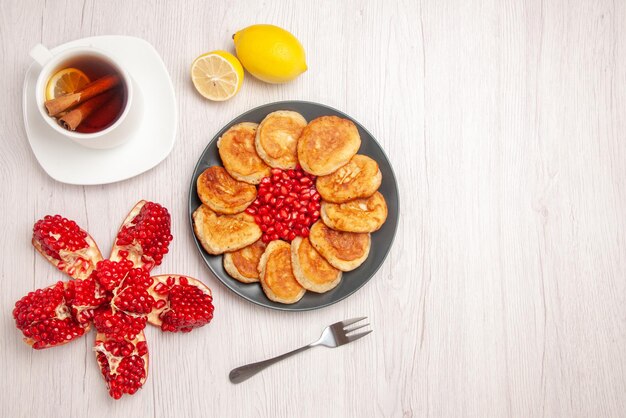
[(505, 291)]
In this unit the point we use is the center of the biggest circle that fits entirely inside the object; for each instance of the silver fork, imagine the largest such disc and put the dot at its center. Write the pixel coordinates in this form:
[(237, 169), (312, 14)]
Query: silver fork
[(333, 336)]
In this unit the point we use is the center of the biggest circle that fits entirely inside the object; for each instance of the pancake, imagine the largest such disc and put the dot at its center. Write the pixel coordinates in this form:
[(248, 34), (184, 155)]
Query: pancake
[(312, 270), (222, 193), (360, 177), (343, 250), (326, 144), (276, 274), (359, 215), (277, 136), (242, 264), (238, 154), (221, 233)]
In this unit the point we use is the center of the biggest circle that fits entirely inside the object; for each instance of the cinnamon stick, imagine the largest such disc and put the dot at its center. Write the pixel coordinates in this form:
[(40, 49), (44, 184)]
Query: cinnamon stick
[(67, 101), (75, 117)]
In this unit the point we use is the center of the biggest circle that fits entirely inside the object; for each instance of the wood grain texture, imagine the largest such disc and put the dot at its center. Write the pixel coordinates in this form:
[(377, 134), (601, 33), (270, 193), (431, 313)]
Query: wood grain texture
[(505, 291)]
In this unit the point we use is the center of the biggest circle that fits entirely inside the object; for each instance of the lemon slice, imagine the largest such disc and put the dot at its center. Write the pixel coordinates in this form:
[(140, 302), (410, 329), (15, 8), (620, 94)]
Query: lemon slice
[(65, 81), (217, 75)]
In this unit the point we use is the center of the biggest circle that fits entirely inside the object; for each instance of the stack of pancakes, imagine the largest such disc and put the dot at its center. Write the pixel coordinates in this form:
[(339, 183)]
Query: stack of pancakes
[(351, 207)]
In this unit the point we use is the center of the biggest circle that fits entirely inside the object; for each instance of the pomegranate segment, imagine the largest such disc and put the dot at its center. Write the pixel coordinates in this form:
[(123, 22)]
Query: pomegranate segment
[(123, 362), (64, 244), (287, 204), (118, 324), (110, 273), (45, 318), (145, 235), (182, 303), (131, 296), (83, 297)]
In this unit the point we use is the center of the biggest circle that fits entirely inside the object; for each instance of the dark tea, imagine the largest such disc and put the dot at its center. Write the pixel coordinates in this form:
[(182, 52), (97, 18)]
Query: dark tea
[(86, 94)]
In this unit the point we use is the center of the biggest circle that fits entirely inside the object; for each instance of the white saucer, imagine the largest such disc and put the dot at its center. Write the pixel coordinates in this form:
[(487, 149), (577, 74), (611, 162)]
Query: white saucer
[(152, 140)]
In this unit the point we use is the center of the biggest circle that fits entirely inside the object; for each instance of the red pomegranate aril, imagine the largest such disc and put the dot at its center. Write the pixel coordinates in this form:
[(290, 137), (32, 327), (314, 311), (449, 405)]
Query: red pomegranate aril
[(316, 197), (291, 236), (258, 220), (251, 210), (274, 237), (271, 230), (263, 211), (315, 214), (289, 200), (263, 227), (299, 174), (265, 180), (305, 180), (266, 238), (265, 219)]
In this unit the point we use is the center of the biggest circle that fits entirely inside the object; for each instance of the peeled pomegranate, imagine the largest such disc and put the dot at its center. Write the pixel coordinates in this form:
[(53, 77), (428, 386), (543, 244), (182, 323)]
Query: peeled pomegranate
[(182, 303), (64, 244), (45, 317), (117, 294), (123, 362), (144, 237)]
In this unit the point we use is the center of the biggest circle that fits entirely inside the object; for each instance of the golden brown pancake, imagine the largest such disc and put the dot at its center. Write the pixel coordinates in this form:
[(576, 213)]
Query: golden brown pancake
[(222, 193), (312, 270), (359, 215), (238, 154), (276, 274), (359, 178), (243, 264), (343, 250), (221, 233), (277, 138), (326, 144)]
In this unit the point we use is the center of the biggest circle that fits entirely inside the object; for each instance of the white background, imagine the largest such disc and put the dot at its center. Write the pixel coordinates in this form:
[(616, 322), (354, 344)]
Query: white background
[(505, 291)]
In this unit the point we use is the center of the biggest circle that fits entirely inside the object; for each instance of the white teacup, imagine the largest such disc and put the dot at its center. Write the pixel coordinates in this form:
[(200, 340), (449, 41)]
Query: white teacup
[(51, 63)]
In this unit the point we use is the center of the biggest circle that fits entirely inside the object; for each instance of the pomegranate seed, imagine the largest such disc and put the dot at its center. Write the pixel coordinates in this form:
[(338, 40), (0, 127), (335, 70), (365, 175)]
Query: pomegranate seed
[(250, 210)]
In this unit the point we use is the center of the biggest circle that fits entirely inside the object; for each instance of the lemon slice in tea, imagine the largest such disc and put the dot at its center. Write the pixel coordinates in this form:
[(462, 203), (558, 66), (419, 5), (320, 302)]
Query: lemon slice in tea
[(65, 81), (217, 75)]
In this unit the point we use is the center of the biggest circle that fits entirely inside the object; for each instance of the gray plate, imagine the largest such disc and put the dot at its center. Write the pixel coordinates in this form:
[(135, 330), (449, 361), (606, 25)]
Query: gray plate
[(381, 239)]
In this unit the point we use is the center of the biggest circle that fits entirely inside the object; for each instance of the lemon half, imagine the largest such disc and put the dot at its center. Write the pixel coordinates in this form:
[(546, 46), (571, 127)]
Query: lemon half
[(270, 53), (217, 75)]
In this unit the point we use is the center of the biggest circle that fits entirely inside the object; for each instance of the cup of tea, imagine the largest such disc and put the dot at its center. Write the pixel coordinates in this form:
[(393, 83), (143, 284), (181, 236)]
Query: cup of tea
[(85, 95)]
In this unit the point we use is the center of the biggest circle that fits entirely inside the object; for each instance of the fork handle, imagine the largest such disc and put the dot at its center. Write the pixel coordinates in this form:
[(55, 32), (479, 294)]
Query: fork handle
[(242, 373)]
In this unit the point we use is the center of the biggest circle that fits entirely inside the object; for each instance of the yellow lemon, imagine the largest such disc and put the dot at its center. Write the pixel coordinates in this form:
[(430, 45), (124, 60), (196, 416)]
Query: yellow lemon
[(270, 53), (217, 75), (65, 81)]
